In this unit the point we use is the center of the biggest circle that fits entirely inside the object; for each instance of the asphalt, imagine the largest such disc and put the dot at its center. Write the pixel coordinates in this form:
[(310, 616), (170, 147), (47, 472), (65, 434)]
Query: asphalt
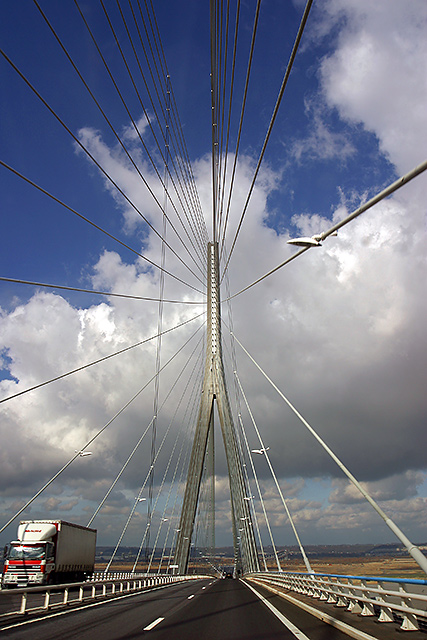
[(207, 609)]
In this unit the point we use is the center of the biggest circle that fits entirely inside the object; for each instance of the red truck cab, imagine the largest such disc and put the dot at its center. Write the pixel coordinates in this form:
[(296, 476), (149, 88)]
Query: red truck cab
[(27, 564)]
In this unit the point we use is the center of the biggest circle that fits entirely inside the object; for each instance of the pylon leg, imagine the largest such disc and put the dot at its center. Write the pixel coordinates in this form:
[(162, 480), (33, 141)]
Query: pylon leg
[(214, 387)]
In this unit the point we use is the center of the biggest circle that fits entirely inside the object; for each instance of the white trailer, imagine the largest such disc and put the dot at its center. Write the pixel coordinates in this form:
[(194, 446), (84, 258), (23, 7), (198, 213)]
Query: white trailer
[(49, 552)]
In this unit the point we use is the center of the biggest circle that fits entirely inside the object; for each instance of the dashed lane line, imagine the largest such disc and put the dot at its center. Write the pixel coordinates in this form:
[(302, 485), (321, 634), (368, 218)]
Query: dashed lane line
[(153, 624), (75, 609), (159, 620)]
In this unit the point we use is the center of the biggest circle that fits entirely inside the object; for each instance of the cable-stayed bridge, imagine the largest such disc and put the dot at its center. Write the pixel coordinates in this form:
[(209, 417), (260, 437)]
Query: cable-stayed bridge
[(174, 251)]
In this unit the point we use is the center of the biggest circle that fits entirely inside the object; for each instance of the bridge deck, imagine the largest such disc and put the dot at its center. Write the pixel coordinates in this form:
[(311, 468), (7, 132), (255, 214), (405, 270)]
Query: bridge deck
[(200, 610), (364, 625)]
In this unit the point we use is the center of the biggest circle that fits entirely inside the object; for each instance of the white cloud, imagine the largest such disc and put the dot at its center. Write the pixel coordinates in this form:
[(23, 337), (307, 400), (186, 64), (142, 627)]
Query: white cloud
[(376, 76), (322, 143), (345, 330), (130, 133)]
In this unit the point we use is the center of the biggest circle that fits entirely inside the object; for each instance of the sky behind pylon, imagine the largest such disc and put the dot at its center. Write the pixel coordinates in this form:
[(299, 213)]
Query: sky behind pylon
[(340, 330)]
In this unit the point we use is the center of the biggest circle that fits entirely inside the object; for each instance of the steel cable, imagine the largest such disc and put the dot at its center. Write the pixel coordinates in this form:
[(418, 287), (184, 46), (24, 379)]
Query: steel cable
[(184, 171), (95, 292), (165, 134), (150, 190), (87, 152), (93, 224), (161, 180), (272, 120), (129, 458), (400, 182), (178, 128), (151, 470), (233, 70), (93, 438), (242, 113), (90, 364)]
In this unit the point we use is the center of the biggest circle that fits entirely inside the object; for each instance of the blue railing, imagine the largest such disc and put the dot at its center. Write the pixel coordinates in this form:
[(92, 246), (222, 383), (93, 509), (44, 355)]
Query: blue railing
[(390, 600)]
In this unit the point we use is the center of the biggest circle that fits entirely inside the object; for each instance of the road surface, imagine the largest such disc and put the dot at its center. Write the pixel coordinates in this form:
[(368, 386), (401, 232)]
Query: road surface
[(195, 610)]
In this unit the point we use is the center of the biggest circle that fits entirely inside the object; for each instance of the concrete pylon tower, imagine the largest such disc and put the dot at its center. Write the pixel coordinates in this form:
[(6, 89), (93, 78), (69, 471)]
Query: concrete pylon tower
[(215, 389)]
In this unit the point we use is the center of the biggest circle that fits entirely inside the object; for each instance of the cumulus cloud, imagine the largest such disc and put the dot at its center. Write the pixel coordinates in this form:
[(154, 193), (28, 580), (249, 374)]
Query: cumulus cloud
[(374, 78)]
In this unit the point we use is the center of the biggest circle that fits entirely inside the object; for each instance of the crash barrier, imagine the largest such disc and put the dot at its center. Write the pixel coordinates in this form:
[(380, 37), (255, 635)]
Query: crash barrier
[(77, 592), (388, 599)]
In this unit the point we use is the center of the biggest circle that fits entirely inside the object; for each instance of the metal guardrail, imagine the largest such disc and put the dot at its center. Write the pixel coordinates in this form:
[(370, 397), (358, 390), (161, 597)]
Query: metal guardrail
[(389, 599), (99, 585)]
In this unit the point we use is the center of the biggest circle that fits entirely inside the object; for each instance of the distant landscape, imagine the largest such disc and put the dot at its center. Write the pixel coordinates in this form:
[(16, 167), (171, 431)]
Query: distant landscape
[(356, 559), (386, 560)]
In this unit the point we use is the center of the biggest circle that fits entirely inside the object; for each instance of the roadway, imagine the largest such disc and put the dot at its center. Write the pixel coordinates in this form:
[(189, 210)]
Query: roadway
[(195, 610)]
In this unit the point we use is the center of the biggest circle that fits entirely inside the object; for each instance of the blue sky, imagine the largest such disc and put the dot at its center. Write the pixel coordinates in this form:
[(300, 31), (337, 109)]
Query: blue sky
[(347, 319), (36, 145)]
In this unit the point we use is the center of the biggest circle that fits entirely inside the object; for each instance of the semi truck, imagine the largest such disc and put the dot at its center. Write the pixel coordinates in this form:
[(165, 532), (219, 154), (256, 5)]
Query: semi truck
[(49, 552)]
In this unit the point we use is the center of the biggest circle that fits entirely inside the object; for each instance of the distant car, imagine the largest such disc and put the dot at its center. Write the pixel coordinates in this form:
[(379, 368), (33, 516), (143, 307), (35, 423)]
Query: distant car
[(229, 575)]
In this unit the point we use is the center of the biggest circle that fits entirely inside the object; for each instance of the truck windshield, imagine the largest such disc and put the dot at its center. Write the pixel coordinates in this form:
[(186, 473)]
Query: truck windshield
[(35, 552)]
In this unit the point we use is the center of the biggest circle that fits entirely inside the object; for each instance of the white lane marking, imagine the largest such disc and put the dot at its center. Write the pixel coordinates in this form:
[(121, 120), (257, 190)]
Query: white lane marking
[(203, 588), (87, 606), (189, 597), (153, 624), (324, 617), (292, 628)]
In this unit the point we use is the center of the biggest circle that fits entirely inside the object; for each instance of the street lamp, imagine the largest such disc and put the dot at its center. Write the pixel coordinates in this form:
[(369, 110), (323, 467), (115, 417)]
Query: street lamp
[(305, 241)]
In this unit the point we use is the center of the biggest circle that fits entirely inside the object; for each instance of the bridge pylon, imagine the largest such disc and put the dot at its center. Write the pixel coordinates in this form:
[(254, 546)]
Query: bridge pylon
[(215, 390)]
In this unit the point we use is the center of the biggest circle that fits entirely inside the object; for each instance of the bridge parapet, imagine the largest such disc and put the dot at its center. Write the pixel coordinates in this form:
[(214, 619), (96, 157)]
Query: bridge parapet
[(36, 599), (390, 600)]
